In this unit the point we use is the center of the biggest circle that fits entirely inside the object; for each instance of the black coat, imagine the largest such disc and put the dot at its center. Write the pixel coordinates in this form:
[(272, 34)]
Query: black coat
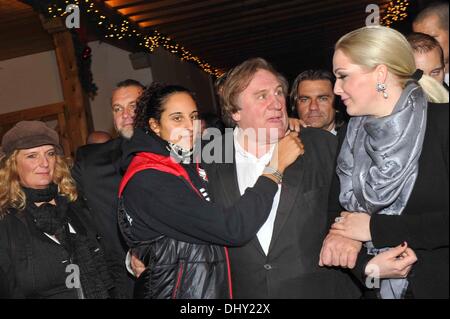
[(34, 266), (424, 223), (97, 173), (5, 285), (291, 268)]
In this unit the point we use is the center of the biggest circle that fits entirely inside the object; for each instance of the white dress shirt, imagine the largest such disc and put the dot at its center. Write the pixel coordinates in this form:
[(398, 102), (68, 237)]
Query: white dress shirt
[(446, 78), (248, 169)]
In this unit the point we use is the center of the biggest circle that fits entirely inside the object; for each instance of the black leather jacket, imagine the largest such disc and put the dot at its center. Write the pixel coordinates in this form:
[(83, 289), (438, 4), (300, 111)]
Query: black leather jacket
[(174, 269), (179, 270)]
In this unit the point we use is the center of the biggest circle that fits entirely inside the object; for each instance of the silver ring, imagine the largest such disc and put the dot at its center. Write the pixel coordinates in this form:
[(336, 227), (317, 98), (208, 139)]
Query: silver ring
[(338, 219)]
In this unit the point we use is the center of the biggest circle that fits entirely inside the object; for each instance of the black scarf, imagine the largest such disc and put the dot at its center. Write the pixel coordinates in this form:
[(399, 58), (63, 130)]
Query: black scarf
[(48, 218), (54, 220)]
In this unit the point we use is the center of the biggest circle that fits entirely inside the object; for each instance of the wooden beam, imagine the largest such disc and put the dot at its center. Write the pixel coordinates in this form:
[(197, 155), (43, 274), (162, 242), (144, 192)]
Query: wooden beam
[(119, 4), (34, 113), (65, 139), (153, 6), (74, 96)]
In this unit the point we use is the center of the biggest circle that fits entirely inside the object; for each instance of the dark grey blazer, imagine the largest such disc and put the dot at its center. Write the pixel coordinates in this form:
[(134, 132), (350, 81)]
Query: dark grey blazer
[(291, 268)]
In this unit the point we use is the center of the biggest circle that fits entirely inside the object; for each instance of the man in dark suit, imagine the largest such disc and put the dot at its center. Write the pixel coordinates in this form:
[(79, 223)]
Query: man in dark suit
[(98, 174), (281, 261), (312, 99)]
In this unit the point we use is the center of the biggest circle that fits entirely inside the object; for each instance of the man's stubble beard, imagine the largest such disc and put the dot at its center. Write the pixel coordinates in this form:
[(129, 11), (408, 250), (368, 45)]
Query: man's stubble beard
[(126, 133)]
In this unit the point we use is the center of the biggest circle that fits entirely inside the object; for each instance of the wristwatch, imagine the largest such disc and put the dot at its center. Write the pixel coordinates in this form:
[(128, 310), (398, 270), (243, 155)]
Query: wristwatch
[(275, 173)]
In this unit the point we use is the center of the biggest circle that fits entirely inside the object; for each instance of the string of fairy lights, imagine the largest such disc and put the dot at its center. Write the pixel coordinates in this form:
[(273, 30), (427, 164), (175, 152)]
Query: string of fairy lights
[(126, 30), (394, 12)]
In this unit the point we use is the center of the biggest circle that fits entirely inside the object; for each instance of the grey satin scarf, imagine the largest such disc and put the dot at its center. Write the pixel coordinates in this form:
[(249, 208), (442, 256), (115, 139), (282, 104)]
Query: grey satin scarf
[(379, 162)]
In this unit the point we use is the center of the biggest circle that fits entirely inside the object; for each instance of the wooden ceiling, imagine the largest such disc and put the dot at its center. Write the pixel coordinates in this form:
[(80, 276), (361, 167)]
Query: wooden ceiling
[(292, 34), (21, 31)]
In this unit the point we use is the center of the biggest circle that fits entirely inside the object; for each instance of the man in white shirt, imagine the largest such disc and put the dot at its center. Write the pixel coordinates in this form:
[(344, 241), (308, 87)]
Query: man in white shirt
[(313, 99), (249, 167), (282, 260), (433, 20)]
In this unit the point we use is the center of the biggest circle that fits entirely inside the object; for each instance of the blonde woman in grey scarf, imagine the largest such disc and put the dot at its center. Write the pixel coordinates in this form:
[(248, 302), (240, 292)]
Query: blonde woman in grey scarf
[(392, 226)]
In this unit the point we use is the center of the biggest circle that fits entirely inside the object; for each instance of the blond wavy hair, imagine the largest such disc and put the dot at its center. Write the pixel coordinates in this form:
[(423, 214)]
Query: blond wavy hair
[(11, 193), (376, 45)]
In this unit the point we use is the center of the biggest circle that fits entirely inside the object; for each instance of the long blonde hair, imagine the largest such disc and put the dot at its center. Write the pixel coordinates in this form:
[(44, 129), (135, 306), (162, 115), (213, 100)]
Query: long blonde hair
[(11, 193), (376, 45)]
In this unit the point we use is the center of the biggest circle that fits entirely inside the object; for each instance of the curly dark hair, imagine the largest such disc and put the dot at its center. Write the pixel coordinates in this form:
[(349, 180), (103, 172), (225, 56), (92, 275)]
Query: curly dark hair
[(151, 102)]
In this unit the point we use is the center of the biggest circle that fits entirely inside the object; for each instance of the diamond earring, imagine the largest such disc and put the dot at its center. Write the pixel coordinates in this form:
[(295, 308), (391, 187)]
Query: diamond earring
[(381, 87)]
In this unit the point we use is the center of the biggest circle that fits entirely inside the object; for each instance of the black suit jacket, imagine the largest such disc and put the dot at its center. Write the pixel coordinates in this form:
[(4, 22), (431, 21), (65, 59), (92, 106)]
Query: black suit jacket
[(97, 173), (290, 270)]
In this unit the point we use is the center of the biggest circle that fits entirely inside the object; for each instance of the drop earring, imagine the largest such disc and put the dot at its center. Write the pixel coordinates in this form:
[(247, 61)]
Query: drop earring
[(381, 87)]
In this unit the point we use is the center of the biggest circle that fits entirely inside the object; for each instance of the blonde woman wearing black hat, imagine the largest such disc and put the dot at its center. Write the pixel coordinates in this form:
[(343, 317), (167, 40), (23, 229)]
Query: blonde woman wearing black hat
[(48, 245)]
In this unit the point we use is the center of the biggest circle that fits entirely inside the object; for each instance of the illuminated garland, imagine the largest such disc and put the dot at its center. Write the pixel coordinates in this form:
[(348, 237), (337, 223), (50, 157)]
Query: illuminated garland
[(123, 29), (396, 11)]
